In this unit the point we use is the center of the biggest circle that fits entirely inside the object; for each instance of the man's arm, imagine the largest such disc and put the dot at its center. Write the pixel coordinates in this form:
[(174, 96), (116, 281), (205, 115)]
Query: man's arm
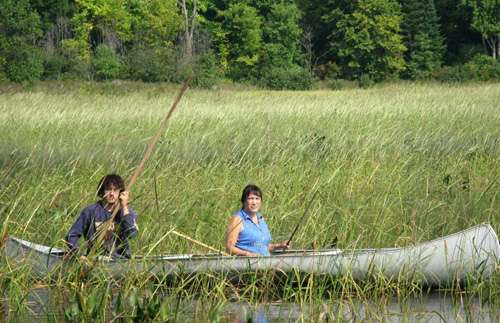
[(76, 231)]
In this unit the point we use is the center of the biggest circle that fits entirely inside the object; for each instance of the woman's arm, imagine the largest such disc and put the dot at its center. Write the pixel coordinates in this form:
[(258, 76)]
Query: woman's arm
[(232, 232)]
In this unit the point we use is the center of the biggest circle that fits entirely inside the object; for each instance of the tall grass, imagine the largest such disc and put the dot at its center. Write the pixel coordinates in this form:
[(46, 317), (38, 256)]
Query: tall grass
[(394, 165)]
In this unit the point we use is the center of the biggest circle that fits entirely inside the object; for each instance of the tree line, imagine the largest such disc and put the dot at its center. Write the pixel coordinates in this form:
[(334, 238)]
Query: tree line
[(277, 44)]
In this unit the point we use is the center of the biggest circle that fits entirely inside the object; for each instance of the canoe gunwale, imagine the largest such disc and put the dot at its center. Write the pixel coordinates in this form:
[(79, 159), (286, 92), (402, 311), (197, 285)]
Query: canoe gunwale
[(59, 253)]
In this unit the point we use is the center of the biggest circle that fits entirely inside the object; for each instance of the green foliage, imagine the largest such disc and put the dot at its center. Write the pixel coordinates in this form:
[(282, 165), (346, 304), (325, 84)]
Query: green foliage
[(88, 303), (365, 81), (315, 18), (281, 49), (24, 62), (155, 23), (20, 59), (424, 57), (422, 38), (248, 40), (486, 20), (206, 74), (150, 64), (106, 65), (292, 77), (484, 68), (366, 39), (51, 11), (242, 26), (479, 68), (101, 21), (65, 63), (281, 34)]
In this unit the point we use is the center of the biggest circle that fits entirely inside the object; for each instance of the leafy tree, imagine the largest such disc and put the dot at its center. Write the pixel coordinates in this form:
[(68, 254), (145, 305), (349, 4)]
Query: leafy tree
[(486, 20), (20, 29), (155, 23), (461, 40), (101, 21), (242, 28), (281, 55), (422, 38), (366, 39), (315, 18), (281, 34), (151, 64), (52, 10), (106, 64)]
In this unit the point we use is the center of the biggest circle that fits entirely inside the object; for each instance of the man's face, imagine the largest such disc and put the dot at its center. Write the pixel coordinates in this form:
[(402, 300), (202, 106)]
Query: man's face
[(111, 194)]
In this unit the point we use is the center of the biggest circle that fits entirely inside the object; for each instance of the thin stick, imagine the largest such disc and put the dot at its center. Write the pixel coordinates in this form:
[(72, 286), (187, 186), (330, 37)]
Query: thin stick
[(198, 242), (303, 217), (159, 133), (152, 144)]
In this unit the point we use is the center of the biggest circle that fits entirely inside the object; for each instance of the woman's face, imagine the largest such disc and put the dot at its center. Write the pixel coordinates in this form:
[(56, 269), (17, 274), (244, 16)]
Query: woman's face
[(253, 203)]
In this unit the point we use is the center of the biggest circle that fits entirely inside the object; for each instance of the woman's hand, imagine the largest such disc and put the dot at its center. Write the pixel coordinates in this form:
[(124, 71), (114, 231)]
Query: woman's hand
[(281, 245)]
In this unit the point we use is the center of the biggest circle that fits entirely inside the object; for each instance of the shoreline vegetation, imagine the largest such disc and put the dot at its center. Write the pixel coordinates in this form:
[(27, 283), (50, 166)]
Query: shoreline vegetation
[(395, 164)]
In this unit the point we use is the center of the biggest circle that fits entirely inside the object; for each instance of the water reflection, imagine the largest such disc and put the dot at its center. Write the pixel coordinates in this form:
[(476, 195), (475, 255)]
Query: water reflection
[(43, 306), (435, 307)]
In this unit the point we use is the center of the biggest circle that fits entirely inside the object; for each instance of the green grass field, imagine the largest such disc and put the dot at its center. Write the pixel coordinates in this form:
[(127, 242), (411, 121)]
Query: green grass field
[(394, 165)]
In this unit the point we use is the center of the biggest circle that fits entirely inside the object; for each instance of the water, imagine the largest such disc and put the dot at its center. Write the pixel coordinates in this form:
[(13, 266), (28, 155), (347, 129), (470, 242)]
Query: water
[(44, 306)]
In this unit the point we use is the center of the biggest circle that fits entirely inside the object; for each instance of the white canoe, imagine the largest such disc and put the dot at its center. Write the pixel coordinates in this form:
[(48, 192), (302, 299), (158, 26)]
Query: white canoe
[(470, 254)]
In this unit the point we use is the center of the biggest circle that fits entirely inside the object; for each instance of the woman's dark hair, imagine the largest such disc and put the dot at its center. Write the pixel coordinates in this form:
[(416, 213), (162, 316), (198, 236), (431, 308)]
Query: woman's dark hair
[(250, 189), (107, 181)]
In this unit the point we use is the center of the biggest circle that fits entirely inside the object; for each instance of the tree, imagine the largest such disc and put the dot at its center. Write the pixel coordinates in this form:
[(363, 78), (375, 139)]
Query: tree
[(189, 26), (100, 21), (366, 38), (155, 23), (422, 38), (486, 20), (314, 15), (242, 27), (281, 34), (20, 29), (279, 67), (461, 40)]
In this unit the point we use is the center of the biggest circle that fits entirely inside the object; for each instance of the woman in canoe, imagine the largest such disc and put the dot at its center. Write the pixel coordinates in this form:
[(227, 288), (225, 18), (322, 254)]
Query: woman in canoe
[(111, 190), (247, 233)]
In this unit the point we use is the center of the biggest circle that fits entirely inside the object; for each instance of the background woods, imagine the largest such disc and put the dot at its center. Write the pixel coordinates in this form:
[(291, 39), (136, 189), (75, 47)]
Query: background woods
[(283, 44)]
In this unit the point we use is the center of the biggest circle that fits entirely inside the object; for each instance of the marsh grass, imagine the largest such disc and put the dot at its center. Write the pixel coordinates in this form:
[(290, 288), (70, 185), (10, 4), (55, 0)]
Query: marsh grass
[(393, 165)]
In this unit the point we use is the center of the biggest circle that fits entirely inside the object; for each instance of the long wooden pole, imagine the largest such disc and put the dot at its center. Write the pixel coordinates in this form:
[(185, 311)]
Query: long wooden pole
[(198, 242), (151, 147), (159, 133), (302, 218)]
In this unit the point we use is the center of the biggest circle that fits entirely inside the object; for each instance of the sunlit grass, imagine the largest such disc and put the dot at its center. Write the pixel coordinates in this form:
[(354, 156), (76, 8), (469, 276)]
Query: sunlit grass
[(394, 165)]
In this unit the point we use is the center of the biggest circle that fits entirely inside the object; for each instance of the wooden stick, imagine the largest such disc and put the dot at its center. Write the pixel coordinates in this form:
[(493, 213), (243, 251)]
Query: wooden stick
[(198, 242), (303, 216), (159, 133), (152, 144)]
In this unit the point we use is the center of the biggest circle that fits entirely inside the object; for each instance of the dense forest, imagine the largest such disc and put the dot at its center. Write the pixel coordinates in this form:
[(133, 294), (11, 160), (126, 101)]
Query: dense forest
[(287, 44)]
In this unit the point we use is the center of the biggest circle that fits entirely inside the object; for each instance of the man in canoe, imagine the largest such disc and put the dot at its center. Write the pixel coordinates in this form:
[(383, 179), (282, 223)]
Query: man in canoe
[(247, 233), (92, 220)]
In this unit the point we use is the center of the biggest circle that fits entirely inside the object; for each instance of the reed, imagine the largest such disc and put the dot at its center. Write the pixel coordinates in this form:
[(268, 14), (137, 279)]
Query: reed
[(394, 165)]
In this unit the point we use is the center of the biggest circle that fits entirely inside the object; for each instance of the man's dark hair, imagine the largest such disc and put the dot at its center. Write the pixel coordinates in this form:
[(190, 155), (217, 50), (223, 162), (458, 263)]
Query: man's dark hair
[(250, 189), (107, 181)]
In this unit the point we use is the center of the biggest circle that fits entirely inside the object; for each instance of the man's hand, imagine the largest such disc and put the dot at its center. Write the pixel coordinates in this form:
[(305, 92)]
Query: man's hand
[(124, 196), (70, 254)]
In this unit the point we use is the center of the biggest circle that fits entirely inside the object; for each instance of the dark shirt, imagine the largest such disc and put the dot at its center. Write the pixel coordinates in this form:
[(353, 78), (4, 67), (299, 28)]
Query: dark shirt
[(91, 218)]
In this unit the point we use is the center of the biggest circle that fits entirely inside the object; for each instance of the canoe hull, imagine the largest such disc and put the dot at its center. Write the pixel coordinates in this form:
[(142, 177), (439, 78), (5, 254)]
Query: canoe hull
[(472, 253)]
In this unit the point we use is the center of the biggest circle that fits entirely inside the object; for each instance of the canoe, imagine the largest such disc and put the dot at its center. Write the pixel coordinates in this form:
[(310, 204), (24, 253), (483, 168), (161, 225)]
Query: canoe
[(473, 253)]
